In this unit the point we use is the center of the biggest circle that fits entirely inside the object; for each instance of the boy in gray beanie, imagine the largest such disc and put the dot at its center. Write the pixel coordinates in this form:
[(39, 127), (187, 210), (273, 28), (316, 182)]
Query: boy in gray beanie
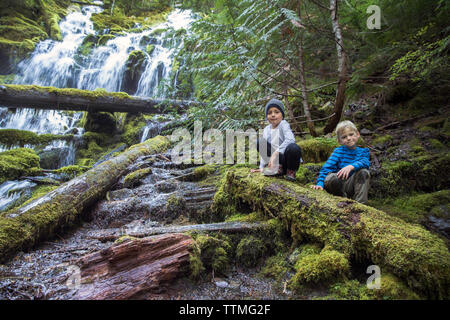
[(278, 143)]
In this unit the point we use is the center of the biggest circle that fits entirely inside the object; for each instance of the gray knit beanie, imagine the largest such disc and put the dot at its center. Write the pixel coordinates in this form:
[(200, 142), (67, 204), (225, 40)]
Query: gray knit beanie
[(274, 103)]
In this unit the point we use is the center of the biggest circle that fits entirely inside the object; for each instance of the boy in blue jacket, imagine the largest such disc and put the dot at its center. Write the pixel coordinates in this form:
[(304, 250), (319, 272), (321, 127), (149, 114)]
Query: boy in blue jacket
[(346, 171)]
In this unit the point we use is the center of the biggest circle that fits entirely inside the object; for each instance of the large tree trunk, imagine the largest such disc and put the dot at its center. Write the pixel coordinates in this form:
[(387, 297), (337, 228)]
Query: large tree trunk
[(45, 216), (342, 69), (134, 269), (31, 96), (362, 233)]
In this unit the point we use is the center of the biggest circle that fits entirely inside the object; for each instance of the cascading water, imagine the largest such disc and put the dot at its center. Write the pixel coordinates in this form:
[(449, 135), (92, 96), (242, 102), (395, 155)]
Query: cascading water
[(58, 64)]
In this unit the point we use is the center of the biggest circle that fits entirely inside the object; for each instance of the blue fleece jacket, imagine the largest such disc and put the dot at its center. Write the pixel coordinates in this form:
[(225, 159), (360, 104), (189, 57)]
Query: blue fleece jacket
[(342, 157)]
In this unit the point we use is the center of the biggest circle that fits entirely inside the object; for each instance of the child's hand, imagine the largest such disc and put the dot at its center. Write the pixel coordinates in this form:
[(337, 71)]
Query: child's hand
[(255, 170), (317, 187), (272, 159), (345, 172)]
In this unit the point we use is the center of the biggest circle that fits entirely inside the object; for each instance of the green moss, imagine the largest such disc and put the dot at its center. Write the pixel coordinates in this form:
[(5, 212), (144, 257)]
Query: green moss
[(436, 144), (249, 251), (103, 39), (72, 170), (351, 229), (121, 21), (414, 208), (18, 162), (382, 140), (317, 149), (275, 267), (132, 179), (87, 45), (308, 172), (391, 288), (316, 268), (418, 174), (195, 263), (15, 137), (132, 130), (202, 172), (215, 252)]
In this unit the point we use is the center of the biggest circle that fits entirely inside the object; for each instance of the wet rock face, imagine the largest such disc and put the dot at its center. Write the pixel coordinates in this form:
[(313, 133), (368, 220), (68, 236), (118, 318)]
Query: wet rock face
[(135, 66), (51, 159)]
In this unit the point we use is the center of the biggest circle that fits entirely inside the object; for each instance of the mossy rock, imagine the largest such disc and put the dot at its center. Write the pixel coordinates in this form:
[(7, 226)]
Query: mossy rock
[(87, 45), (133, 179), (317, 149), (275, 267), (103, 39), (134, 67), (314, 268), (415, 208), (215, 252), (133, 128), (16, 137), (420, 174), (17, 163), (391, 288), (249, 251)]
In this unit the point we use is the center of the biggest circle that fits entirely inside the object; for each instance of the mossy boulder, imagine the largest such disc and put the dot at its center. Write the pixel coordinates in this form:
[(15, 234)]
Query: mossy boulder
[(391, 288), (317, 149), (134, 67), (348, 230), (87, 45), (16, 137), (17, 163), (422, 173), (249, 251), (215, 252), (328, 265), (133, 128), (134, 178)]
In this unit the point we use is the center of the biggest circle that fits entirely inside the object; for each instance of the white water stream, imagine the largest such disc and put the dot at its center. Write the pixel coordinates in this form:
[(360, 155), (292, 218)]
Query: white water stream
[(58, 64)]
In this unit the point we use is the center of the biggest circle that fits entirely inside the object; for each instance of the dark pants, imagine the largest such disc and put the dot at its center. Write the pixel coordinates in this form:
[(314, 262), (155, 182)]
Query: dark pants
[(289, 160), (355, 187)]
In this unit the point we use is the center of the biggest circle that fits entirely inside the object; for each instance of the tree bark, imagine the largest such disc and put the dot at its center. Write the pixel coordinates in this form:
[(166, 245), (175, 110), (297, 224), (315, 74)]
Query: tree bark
[(342, 69), (134, 269), (43, 217), (31, 96)]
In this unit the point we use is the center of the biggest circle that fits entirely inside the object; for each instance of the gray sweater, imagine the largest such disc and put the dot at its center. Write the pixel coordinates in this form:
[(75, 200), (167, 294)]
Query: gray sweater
[(279, 138)]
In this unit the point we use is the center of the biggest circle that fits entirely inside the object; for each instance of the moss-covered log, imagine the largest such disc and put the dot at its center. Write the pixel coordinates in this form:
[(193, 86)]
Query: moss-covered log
[(43, 217), (409, 251), (32, 96)]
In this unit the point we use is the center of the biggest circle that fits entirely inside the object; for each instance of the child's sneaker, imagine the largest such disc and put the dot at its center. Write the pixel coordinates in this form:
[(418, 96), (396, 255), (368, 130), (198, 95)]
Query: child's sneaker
[(290, 175), (274, 171)]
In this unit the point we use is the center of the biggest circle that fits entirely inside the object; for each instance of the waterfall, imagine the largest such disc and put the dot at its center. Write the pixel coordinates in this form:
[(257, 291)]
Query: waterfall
[(59, 64)]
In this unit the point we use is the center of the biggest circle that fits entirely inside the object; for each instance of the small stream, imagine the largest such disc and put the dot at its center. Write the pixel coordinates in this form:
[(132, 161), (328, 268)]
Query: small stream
[(44, 272)]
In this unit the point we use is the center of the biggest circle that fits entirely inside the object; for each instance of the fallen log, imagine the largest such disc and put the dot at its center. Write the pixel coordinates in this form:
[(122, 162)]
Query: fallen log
[(134, 269), (227, 227), (44, 217), (360, 232), (38, 97)]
